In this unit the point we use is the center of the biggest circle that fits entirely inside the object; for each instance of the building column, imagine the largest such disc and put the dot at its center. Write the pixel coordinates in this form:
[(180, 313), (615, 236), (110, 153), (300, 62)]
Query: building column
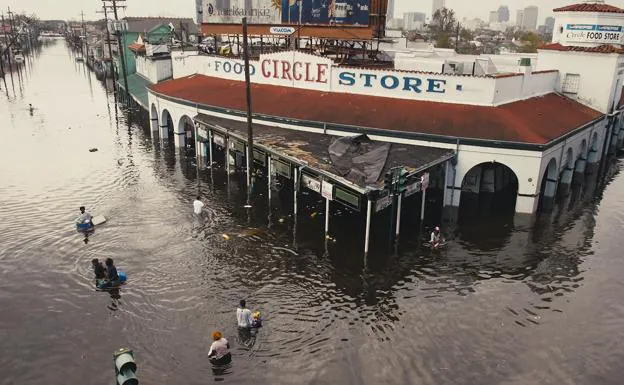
[(592, 162), (164, 132), (579, 171), (565, 181), (179, 139)]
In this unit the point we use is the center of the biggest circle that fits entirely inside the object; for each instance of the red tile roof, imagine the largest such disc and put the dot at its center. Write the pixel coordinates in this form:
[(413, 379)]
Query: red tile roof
[(605, 48), (534, 121), (588, 7), (137, 48)]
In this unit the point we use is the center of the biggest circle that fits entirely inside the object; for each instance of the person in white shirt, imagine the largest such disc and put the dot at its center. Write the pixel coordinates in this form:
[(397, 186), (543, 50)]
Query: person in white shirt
[(197, 206), (219, 352), (244, 316), (436, 238), (84, 217)]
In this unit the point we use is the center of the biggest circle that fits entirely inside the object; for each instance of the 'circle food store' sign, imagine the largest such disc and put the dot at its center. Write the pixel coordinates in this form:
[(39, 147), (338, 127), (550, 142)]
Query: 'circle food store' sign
[(592, 33)]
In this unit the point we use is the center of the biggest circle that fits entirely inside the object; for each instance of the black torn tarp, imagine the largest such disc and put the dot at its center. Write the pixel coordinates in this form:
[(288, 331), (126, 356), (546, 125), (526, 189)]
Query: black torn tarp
[(359, 159)]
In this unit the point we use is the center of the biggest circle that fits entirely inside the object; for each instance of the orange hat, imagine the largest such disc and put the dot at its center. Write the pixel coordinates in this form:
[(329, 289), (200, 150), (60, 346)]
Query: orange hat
[(216, 335)]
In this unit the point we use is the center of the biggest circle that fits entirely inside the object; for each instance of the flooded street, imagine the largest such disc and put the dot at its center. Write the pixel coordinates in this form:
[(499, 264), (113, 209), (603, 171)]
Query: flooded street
[(498, 306)]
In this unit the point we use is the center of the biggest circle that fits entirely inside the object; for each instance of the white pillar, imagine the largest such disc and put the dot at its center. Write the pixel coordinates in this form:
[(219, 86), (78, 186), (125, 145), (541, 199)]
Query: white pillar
[(398, 222), (422, 204), (227, 157), (326, 216), (269, 179), (295, 180), (368, 222), (210, 146), (446, 178)]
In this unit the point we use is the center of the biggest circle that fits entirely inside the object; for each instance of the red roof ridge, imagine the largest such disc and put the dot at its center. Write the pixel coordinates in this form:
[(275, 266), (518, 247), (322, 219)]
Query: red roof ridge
[(604, 48), (537, 120), (590, 7)]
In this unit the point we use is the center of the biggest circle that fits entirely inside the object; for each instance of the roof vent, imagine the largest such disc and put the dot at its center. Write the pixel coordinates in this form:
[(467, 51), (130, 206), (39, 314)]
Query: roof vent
[(525, 62)]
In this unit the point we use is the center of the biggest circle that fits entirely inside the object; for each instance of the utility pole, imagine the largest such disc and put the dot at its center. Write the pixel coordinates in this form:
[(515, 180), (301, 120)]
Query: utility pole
[(110, 50), (84, 33), (120, 48), (249, 118), (457, 37)]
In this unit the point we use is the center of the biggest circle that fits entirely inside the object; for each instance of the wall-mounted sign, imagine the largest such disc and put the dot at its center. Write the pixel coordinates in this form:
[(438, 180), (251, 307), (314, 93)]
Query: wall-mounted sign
[(202, 132), (424, 181), (282, 30), (412, 189), (327, 190), (347, 198), (593, 33), (311, 183)]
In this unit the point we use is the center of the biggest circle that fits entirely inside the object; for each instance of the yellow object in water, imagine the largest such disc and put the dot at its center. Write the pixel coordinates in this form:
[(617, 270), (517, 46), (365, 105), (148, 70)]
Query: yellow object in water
[(226, 237), (313, 215)]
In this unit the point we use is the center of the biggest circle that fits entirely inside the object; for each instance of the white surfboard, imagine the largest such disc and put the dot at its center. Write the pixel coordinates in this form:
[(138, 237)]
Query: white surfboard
[(98, 220)]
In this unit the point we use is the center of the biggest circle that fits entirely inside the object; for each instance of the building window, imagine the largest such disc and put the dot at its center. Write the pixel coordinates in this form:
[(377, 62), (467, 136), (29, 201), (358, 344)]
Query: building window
[(571, 84)]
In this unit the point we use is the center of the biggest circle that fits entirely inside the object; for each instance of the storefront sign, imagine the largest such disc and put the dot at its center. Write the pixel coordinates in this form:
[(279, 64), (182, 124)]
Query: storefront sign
[(311, 183), (218, 140), (382, 203), (295, 70), (327, 190), (392, 82), (593, 33)]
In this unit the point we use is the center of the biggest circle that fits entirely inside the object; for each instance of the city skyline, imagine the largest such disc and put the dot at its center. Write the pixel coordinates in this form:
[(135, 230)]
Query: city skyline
[(70, 9)]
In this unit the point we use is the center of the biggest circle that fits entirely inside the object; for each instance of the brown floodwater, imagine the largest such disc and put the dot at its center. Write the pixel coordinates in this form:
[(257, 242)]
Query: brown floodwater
[(499, 305)]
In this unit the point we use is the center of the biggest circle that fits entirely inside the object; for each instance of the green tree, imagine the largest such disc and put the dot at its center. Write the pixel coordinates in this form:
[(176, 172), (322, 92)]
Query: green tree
[(531, 41), (442, 26)]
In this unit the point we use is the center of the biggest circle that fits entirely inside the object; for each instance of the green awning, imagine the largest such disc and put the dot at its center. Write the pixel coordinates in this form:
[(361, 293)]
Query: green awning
[(138, 88)]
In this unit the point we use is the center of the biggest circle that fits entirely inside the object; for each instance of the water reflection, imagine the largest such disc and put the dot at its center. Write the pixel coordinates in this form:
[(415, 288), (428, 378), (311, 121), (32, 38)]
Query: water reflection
[(499, 302)]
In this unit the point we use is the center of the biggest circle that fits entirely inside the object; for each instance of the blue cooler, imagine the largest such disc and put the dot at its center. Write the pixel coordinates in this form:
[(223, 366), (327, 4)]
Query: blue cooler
[(122, 276)]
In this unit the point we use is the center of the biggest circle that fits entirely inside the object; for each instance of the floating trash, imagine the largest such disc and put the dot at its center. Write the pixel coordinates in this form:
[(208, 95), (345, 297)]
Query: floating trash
[(226, 237), (93, 149)]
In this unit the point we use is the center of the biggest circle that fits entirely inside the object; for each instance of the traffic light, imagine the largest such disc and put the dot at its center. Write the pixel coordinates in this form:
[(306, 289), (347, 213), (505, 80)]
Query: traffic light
[(388, 181), (125, 367), (402, 183)]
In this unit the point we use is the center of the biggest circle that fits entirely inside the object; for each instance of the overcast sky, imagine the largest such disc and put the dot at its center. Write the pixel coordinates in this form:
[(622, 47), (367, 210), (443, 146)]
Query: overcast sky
[(67, 9)]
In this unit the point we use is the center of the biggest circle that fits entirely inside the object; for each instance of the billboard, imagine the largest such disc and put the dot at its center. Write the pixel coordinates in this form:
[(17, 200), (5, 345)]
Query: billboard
[(276, 12), (233, 11), (326, 12)]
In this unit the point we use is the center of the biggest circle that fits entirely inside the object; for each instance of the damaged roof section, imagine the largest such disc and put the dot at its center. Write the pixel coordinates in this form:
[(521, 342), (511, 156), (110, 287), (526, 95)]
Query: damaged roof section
[(357, 160)]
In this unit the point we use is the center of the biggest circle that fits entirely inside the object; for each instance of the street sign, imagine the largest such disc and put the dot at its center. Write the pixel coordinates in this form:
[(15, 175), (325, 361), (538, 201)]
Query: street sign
[(424, 181)]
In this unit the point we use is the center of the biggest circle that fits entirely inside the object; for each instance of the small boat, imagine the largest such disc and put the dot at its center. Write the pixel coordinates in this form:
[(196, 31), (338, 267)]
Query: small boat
[(79, 58), (19, 58)]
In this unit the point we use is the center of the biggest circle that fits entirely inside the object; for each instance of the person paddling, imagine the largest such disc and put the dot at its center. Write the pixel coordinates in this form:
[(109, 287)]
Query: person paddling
[(84, 217)]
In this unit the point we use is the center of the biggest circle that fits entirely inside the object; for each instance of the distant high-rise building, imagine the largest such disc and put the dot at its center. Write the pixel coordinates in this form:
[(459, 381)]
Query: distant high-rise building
[(529, 20), (519, 18), (414, 20), (550, 23), (503, 13), (390, 11), (493, 17), (437, 5)]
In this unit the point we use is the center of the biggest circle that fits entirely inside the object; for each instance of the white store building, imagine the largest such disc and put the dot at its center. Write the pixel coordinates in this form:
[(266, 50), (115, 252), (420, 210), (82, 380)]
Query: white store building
[(533, 125)]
